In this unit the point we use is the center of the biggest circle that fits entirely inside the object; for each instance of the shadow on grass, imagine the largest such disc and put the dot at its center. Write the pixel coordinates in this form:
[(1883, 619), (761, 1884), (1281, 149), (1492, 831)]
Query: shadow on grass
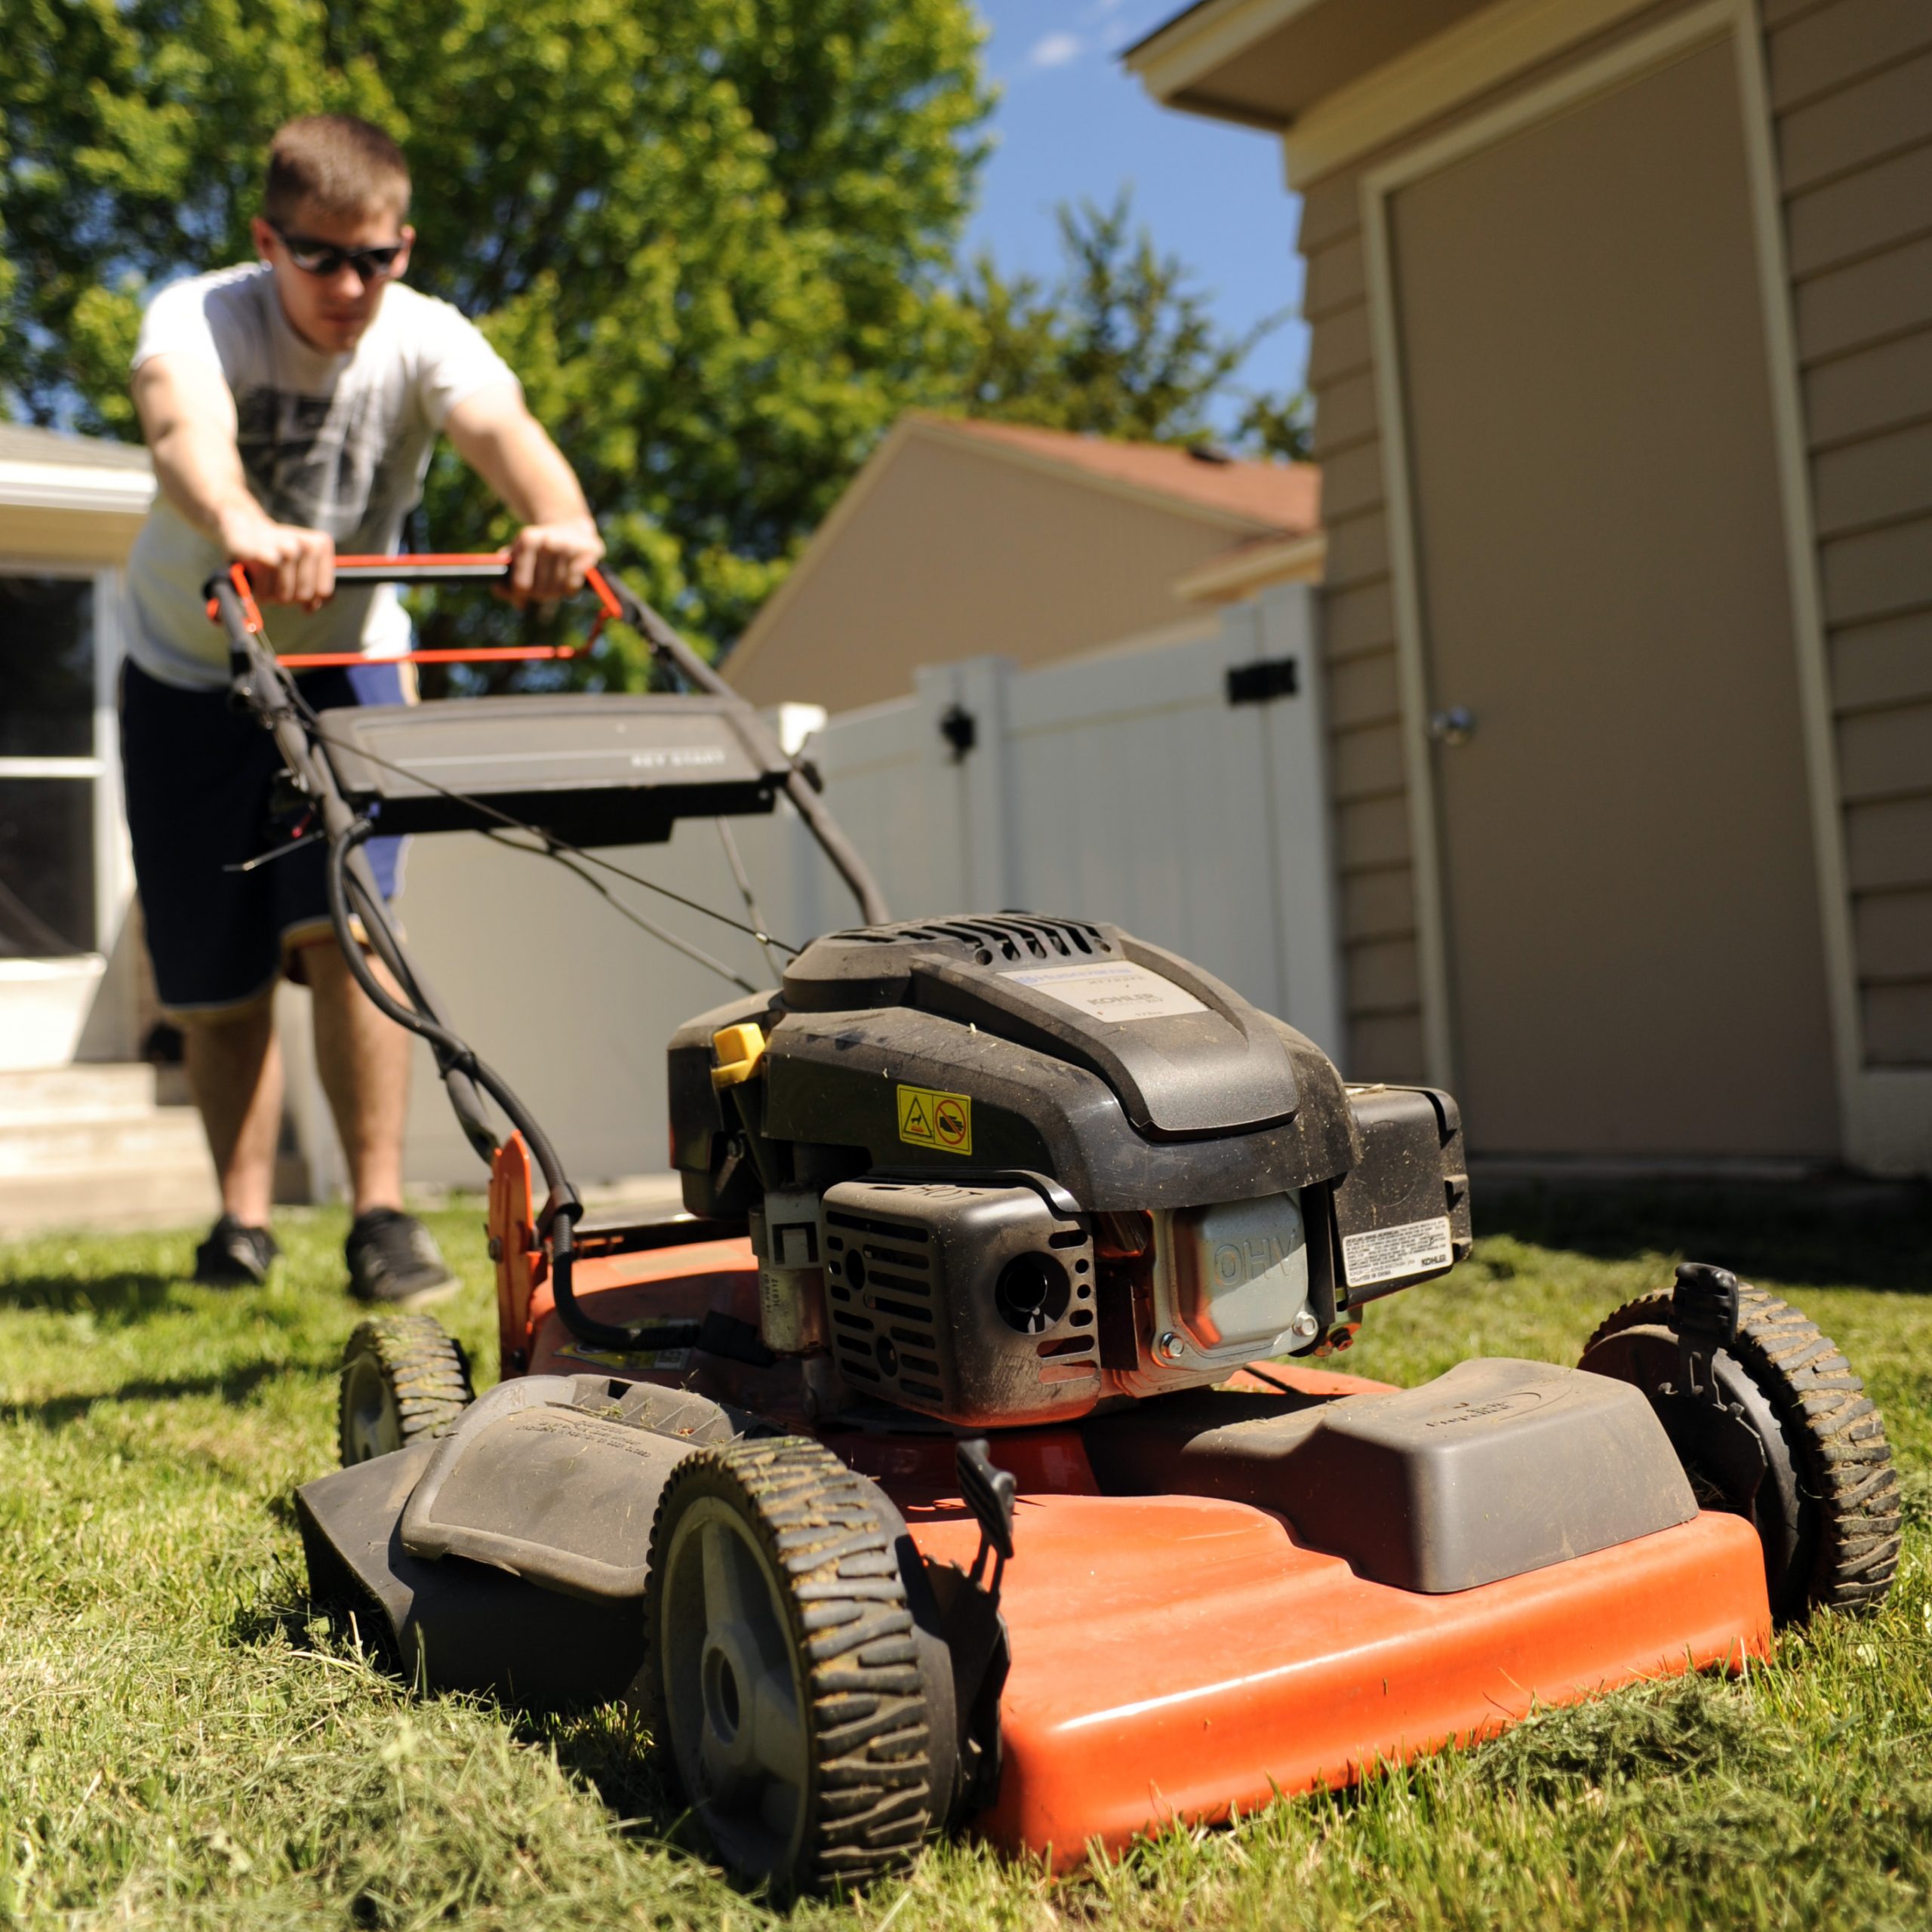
[(1824, 1233), (235, 1386), (606, 1747), (121, 1299)]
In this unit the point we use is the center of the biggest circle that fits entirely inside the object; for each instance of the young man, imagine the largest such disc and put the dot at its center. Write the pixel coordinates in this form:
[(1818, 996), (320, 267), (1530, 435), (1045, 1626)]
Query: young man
[(290, 407)]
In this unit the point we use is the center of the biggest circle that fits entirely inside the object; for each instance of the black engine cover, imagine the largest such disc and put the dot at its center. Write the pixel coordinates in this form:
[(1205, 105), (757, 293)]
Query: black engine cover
[(1055, 1046)]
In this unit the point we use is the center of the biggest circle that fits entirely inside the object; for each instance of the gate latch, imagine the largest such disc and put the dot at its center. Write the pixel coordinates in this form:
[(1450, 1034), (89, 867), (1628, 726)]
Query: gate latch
[(1266, 678)]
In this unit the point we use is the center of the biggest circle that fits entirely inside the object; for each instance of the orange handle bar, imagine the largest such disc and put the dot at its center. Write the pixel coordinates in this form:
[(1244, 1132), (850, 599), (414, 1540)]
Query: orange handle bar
[(488, 566)]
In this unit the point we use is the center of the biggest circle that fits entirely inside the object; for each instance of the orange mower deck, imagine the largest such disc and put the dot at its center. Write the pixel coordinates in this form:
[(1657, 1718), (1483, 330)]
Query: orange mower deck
[(1181, 1657)]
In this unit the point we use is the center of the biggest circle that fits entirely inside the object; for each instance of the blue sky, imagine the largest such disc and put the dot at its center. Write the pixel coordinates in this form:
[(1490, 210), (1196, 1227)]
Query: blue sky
[(1072, 122)]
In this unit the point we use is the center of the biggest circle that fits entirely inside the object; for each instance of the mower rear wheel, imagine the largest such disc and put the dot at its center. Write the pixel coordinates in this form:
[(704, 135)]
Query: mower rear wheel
[(1827, 1510), (783, 1669), (404, 1377)]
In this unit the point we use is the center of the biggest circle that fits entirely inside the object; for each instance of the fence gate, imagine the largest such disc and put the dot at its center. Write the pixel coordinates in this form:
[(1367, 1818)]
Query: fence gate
[(1173, 787)]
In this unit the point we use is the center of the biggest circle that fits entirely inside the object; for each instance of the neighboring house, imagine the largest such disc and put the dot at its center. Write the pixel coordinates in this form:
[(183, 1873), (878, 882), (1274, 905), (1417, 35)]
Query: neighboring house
[(1622, 321), (959, 539)]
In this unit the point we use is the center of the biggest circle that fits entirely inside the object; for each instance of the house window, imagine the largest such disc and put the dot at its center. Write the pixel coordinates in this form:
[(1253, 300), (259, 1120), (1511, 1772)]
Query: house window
[(57, 769)]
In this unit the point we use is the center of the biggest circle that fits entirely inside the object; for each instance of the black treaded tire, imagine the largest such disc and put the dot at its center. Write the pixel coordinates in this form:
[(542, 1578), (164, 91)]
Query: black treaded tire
[(1848, 1494), (404, 1377), (783, 1668)]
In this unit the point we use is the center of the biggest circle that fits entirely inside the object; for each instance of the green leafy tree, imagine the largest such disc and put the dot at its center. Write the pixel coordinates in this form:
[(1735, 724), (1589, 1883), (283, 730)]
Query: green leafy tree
[(1281, 426), (1121, 345), (711, 236)]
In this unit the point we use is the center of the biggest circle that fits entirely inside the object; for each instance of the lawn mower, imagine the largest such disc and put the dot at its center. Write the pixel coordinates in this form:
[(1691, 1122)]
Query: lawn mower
[(968, 1454)]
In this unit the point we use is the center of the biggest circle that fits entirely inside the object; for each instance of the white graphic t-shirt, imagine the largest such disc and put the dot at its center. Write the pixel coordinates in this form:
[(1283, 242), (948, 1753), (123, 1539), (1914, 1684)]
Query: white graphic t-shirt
[(339, 443)]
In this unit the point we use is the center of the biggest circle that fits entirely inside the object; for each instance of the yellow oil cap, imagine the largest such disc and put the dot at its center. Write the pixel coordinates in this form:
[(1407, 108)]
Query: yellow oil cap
[(741, 1051)]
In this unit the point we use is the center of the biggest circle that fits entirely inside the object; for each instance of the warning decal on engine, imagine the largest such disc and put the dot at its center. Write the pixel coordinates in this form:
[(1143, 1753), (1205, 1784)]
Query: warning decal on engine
[(1114, 989), (927, 1118), (1382, 1253)]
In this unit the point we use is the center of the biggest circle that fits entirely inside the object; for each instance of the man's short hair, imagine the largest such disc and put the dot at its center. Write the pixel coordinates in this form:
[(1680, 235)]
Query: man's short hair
[(347, 168)]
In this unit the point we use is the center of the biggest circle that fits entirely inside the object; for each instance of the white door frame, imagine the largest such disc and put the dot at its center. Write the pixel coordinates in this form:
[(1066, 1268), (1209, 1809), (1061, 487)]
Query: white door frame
[(1697, 27)]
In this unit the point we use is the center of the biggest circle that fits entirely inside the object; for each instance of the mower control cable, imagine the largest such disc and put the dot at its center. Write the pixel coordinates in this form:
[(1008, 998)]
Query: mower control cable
[(550, 850), (265, 687), (549, 846), (572, 858), (616, 601), (672, 649), (265, 684)]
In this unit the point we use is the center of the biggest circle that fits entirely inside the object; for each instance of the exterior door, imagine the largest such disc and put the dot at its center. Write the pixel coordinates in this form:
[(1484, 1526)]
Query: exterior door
[(1635, 954)]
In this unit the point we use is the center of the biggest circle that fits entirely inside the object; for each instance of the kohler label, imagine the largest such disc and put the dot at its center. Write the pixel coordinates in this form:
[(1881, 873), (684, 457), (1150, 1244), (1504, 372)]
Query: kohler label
[(1381, 1254)]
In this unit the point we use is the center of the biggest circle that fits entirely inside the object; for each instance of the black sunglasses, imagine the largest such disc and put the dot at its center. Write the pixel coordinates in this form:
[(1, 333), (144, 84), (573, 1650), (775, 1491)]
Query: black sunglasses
[(324, 258)]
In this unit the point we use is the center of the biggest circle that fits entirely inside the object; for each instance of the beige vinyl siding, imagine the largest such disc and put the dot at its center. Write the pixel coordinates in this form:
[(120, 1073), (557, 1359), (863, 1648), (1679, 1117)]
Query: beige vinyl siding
[(1851, 85), (1851, 94), (1380, 974), (1081, 565)]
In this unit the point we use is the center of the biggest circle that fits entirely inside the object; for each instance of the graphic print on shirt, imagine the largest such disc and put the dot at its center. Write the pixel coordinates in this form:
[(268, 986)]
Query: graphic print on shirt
[(316, 461)]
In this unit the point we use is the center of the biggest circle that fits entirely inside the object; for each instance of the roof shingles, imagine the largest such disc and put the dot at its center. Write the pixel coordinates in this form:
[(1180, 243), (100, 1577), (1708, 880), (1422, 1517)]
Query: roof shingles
[(1284, 497)]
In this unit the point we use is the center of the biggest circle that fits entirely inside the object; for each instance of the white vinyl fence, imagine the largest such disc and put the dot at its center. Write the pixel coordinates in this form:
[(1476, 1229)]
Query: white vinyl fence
[(1174, 788)]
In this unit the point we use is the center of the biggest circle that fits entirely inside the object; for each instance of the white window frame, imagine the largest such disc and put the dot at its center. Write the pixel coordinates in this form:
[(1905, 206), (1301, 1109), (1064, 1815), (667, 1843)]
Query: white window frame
[(113, 856)]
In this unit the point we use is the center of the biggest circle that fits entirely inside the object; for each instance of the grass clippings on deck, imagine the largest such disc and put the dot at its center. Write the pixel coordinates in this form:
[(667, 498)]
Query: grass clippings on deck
[(184, 1742)]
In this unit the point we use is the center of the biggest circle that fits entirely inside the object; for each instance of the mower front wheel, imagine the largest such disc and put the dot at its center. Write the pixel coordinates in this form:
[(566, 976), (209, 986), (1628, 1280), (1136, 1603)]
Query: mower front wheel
[(784, 1668), (1826, 1505), (403, 1376)]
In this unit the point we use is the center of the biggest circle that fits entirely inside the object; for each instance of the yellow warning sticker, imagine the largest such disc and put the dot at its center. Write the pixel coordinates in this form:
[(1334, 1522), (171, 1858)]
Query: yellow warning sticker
[(931, 1119)]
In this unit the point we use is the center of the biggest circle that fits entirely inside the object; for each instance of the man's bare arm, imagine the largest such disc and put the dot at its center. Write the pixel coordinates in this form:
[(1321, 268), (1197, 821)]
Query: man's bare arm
[(497, 435), (187, 413)]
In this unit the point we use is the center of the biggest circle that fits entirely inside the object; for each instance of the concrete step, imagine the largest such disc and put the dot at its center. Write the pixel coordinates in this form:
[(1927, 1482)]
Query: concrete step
[(88, 1148), (125, 1201), (108, 1090), (81, 1143)]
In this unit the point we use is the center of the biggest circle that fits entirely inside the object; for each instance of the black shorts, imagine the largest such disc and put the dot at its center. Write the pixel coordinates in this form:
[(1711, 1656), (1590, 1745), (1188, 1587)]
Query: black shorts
[(198, 778)]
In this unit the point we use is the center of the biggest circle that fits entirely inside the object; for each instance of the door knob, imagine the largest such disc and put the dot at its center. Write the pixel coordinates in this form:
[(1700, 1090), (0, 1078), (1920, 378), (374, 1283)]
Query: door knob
[(1452, 727)]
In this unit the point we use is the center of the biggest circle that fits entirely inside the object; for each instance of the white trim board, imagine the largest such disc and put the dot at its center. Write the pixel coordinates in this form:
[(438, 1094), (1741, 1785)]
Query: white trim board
[(1863, 1135), (1254, 567), (1437, 75), (69, 486)]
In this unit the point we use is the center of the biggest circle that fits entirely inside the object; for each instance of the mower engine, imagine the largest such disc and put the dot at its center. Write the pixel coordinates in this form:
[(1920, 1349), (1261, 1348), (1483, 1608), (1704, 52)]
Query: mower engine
[(998, 1170)]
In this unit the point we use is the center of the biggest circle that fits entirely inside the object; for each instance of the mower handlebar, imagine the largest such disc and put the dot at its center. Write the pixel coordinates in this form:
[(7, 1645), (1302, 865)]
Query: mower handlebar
[(469, 567), (411, 567), (263, 683), (232, 603)]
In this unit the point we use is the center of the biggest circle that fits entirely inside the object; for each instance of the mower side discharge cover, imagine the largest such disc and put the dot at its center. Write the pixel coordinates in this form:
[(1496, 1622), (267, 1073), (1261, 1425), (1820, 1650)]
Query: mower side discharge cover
[(556, 1477), (1495, 1469), (511, 1554)]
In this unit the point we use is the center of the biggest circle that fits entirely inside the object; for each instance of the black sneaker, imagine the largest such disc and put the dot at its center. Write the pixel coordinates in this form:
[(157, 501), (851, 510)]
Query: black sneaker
[(394, 1262), (235, 1255)]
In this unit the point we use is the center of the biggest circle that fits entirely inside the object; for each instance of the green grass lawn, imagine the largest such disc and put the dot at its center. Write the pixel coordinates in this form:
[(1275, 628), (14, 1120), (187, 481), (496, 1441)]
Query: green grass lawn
[(186, 1743)]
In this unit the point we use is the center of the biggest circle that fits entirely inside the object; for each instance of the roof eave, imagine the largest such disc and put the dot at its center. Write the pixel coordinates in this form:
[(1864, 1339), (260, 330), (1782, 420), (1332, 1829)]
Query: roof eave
[(1251, 568), (954, 430), (1178, 54), (68, 486)]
